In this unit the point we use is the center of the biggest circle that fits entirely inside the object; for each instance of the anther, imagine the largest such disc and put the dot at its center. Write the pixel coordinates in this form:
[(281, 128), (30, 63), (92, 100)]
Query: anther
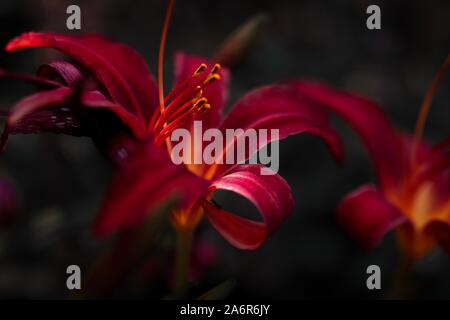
[(200, 102), (204, 108), (216, 68), (211, 78), (201, 68)]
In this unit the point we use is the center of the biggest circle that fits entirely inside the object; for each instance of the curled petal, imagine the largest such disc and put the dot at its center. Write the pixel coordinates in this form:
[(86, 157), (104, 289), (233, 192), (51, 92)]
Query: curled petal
[(269, 193), (368, 216), (54, 120), (280, 107), (216, 92), (381, 140), (60, 111), (133, 67), (119, 68), (62, 72), (40, 113), (94, 100), (147, 179), (38, 101), (40, 81)]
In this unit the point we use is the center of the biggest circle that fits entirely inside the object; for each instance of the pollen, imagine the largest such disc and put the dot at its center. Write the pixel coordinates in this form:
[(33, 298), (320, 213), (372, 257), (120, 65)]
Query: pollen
[(216, 68), (200, 102), (211, 78), (200, 70), (205, 108)]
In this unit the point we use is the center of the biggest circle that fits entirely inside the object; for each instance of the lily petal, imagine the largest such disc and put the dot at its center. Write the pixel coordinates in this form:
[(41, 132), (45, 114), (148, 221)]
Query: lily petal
[(368, 216), (121, 70), (150, 178), (62, 72), (216, 92), (381, 140), (51, 111), (270, 194), (41, 113), (43, 82), (280, 107)]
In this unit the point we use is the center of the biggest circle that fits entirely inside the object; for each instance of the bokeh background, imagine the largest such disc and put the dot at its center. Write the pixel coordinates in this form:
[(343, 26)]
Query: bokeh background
[(61, 179)]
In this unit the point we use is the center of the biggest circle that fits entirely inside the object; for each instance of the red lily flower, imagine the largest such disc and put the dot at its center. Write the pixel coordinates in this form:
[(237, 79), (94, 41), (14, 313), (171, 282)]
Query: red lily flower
[(149, 176), (413, 195), (108, 90), (124, 87)]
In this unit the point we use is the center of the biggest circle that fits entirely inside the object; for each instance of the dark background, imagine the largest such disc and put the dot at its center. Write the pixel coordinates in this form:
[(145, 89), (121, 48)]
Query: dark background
[(61, 179)]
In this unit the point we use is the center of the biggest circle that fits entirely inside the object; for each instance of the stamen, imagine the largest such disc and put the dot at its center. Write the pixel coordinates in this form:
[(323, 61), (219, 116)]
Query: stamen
[(186, 94), (205, 108), (216, 68), (199, 106), (166, 116), (200, 70), (185, 100), (200, 102), (169, 116), (186, 83), (188, 108), (425, 107), (167, 131), (211, 78)]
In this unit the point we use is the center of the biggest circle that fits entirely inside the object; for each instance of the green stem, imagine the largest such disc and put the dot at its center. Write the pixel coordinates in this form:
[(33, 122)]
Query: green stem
[(182, 261)]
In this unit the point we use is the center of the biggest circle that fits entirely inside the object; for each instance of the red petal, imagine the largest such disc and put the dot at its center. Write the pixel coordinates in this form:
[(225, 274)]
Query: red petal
[(120, 69), (38, 101), (62, 72), (52, 120), (147, 179), (368, 216), (216, 92), (45, 112), (269, 193), (381, 140), (46, 83), (95, 100), (281, 107)]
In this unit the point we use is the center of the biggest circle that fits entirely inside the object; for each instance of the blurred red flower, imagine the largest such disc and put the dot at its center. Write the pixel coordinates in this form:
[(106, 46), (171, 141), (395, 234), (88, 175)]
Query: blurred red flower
[(122, 88), (413, 194)]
